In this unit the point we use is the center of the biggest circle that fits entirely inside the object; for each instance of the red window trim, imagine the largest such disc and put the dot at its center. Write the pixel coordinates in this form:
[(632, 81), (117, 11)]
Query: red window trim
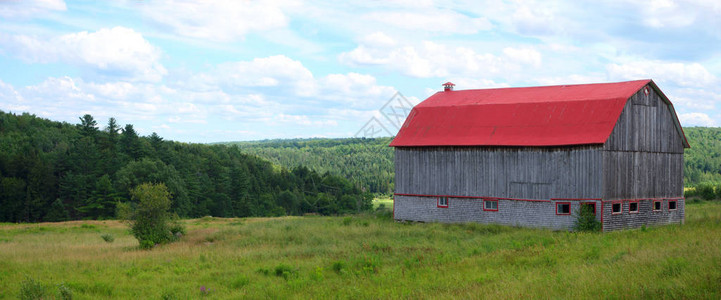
[(438, 202), (669, 204), (638, 206), (590, 203), (653, 208), (563, 214), (620, 211), (489, 200)]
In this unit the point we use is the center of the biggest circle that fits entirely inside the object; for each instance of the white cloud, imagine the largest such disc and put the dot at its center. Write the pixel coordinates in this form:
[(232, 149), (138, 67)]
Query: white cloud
[(523, 55), (354, 89), (272, 71), (117, 52), (697, 119), (437, 20), (30, 8), (682, 74), (535, 18), (304, 120), (430, 59), (378, 39), (8, 92), (219, 20), (572, 79)]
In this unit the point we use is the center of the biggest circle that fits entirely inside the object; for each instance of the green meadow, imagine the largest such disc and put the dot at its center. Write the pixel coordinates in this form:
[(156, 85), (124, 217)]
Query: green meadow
[(361, 257)]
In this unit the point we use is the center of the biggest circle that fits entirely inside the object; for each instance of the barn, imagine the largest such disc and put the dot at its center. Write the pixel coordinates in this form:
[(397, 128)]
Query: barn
[(532, 156)]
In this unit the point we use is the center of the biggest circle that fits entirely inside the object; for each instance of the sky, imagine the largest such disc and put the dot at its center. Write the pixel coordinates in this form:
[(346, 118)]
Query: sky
[(212, 71)]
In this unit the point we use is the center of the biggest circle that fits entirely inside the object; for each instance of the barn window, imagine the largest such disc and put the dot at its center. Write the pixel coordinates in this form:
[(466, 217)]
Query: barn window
[(656, 205), (490, 205), (671, 204), (616, 208), (563, 208), (633, 207), (442, 201), (590, 205)]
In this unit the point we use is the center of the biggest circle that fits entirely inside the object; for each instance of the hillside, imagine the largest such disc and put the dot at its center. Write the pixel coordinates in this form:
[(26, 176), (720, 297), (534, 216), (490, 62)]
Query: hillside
[(369, 162), (703, 159), (53, 171), (365, 162)]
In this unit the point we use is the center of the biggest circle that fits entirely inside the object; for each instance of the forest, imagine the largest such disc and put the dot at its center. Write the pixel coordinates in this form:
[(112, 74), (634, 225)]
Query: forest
[(53, 171), (367, 162), (703, 160), (56, 171)]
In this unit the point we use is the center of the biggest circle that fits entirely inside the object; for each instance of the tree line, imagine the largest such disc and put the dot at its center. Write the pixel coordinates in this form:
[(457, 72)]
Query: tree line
[(367, 162), (703, 159), (54, 171)]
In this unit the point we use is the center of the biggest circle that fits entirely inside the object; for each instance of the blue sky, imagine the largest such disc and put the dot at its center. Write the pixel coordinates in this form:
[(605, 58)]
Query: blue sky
[(208, 71)]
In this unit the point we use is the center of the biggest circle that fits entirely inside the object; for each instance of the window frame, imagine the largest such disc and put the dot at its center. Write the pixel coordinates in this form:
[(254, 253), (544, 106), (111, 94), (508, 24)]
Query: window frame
[(675, 204), (438, 202), (660, 205), (638, 208), (593, 204), (490, 200), (563, 203), (620, 209)]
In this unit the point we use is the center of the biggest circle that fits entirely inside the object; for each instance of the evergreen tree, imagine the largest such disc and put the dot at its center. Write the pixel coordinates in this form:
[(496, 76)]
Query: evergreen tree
[(57, 212)]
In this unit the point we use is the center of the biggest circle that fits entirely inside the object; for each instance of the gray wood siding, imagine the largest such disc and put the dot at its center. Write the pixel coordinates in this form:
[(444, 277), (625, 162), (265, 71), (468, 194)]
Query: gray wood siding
[(643, 156), (633, 175), (524, 173), (646, 124)]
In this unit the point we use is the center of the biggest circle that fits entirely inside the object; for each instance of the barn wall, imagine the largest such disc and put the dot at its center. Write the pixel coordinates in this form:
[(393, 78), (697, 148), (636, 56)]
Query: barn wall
[(510, 212), (645, 216), (646, 124), (633, 175), (643, 156), (526, 173)]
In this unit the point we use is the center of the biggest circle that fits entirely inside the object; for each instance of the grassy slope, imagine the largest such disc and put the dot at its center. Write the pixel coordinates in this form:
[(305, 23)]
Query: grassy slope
[(368, 257)]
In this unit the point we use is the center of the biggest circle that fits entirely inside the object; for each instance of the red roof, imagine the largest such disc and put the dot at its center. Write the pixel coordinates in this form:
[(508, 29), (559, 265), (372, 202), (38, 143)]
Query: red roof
[(528, 116)]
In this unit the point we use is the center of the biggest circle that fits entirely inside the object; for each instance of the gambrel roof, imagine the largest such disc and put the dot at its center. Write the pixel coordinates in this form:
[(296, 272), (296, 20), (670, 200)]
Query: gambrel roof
[(559, 115)]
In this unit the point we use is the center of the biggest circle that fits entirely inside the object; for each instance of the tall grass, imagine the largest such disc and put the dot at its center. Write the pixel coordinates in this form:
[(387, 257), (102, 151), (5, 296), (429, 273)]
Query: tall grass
[(367, 256)]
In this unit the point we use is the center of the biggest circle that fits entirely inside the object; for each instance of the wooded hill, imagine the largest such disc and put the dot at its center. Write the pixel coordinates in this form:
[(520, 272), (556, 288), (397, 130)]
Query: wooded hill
[(366, 162), (703, 159), (369, 162), (54, 171)]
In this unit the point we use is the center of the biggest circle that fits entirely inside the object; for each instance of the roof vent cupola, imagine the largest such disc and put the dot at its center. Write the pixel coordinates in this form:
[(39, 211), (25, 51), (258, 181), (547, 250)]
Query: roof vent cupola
[(448, 86)]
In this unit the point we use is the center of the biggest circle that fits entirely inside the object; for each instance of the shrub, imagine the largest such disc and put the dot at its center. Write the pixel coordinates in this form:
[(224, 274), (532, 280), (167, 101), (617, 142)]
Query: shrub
[(32, 289), (284, 271), (65, 292), (586, 220), (705, 190), (150, 222), (108, 237), (338, 266)]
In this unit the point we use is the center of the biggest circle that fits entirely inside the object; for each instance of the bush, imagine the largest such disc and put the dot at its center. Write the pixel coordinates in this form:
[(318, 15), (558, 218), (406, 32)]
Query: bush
[(705, 191), (65, 292), (586, 220), (31, 289), (150, 222), (108, 237), (284, 271)]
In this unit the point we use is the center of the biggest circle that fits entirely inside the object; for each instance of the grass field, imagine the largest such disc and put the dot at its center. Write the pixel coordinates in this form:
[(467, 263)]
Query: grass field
[(366, 256)]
